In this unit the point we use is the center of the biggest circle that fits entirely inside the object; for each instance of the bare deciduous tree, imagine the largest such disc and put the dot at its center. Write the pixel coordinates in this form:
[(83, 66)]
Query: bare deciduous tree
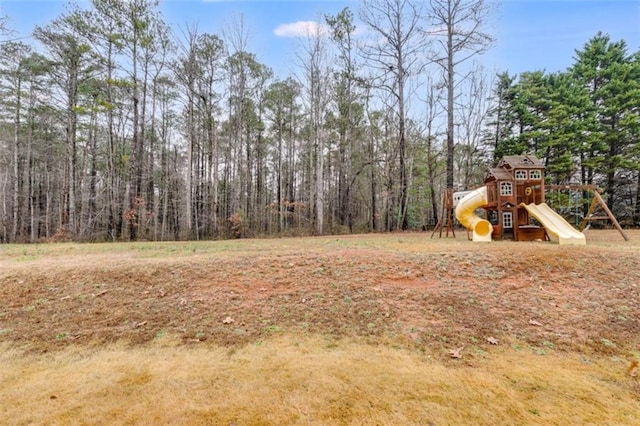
[(342, 30), (458, 26), (395, 53), (432, 155), (472, 116), (315, 64)]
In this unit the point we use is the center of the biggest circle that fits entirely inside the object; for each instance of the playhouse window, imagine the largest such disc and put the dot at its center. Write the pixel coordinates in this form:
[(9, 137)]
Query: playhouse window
[(535, 174), (506, 189), (521, 174), (507, 220), (492, 217)]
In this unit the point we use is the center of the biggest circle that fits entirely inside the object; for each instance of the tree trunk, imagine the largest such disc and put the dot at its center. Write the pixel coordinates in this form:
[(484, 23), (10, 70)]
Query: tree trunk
[(29, 162), (636, 210), (450, 98), (134, 159), (374, 189), (16, 165), (93, 177)]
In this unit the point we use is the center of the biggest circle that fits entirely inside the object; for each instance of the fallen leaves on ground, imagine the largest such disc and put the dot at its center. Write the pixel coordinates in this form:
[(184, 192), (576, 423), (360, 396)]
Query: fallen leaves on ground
[(456, 353)]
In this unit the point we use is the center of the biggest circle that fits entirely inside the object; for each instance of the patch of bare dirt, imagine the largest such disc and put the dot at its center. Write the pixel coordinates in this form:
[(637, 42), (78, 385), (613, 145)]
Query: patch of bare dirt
[(408, 288)]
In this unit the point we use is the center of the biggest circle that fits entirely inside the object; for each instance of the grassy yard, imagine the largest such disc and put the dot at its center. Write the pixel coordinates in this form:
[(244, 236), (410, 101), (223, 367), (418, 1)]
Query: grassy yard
[(372, 329)]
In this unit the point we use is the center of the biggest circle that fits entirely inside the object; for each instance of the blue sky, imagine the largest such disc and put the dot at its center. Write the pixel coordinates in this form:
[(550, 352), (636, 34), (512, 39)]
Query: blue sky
[(531, 34)]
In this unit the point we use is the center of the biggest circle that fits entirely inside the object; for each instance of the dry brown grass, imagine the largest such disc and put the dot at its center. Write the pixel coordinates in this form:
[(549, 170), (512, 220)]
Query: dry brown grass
[(325, 330), (311, 380)]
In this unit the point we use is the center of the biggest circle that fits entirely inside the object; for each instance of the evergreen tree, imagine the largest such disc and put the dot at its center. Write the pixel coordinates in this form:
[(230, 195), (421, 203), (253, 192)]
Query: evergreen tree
[(610, 77), (501, 120), (564, 127)]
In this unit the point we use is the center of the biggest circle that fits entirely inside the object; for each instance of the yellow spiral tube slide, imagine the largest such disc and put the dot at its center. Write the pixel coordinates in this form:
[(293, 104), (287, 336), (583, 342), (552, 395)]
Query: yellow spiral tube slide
[(465, 213)]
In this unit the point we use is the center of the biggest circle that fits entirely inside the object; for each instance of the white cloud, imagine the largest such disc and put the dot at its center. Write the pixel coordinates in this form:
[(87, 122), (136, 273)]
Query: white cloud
[(301, 29)]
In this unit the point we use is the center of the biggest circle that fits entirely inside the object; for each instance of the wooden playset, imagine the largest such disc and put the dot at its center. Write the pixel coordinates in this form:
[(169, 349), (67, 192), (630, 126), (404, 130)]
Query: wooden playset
[(517, 180), (513, 199)]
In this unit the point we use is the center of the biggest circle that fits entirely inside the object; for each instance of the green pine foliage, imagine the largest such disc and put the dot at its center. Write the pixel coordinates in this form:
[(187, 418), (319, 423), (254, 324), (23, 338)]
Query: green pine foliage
[(583, 123)]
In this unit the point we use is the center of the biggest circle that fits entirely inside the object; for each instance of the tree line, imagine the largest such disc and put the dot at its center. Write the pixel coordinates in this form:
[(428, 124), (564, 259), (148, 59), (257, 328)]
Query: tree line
[(583, 122), (114, 126)]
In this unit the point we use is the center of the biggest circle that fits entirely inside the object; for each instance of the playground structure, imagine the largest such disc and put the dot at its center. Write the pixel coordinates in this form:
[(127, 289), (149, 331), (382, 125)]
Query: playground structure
[(597, 203), (513, 198), (465, 204)]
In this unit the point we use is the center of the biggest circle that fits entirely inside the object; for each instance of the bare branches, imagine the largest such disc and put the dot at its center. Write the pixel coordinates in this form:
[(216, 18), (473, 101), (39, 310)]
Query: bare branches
[(458, 25), (395, 53), (462, 21)]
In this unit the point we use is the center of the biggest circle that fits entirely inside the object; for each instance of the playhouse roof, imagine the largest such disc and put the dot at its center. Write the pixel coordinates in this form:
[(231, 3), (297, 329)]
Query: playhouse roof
[(498, 174), (520, 162)]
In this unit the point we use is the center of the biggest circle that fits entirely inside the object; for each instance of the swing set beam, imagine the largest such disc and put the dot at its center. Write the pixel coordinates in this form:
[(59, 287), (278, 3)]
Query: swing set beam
[(597, 200)]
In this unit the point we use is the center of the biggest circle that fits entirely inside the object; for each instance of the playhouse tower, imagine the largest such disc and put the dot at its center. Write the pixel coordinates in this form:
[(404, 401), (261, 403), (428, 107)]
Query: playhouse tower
[(517, 180)]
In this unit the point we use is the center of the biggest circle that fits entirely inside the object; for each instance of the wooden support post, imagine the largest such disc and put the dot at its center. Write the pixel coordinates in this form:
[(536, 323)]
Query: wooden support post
[(446, 216), (592, 207), (597, 199)]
